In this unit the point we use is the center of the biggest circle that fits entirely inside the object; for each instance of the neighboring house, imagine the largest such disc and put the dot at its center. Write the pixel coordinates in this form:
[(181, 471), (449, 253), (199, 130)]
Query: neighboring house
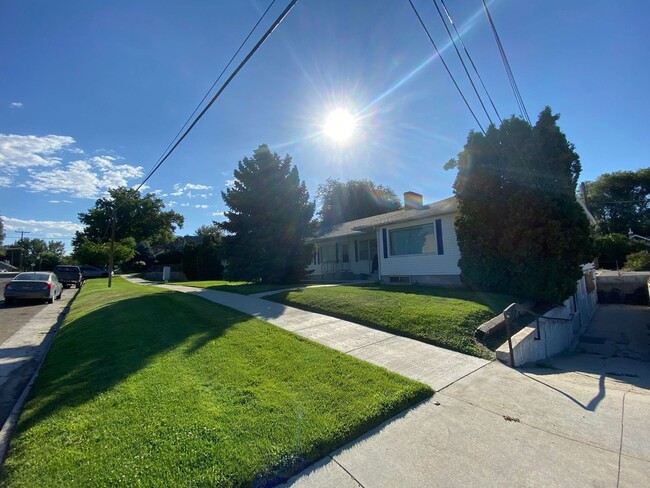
[(413, 245), (5, 266)]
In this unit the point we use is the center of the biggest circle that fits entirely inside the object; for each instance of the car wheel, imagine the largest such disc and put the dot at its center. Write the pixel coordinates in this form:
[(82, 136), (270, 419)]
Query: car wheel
[(50, 300), (66, 286), (78, 285), (8, 302), (104, 275), (58, 297)]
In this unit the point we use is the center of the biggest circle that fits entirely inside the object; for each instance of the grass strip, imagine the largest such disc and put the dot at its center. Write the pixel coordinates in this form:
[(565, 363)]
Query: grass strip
[(148, 387), (239, 287), (445, 317)]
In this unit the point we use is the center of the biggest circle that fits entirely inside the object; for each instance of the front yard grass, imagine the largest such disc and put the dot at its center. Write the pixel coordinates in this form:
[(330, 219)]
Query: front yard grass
[(444, 317), (240, 287), (148, 387)]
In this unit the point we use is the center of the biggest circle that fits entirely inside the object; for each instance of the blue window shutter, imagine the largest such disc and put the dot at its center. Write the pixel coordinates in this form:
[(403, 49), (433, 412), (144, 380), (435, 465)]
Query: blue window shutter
[(336, 246), (441, 249), (356, 251), (384, 238)]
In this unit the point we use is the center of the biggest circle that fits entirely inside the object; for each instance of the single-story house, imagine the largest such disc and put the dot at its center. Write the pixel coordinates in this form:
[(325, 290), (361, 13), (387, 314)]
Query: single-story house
[(414, 245)]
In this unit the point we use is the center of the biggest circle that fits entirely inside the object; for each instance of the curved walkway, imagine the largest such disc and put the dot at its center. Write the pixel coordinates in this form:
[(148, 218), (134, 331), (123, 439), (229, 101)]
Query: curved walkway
[(435, 366), (579, 420)]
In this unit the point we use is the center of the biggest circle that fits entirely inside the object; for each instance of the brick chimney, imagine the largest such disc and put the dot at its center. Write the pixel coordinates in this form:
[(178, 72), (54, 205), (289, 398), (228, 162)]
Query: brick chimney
[(412, 201)]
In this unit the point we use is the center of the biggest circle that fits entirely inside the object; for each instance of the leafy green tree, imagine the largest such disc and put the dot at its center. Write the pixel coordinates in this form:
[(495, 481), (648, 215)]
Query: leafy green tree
[(620, 201), (352, 200), (268, 221), (97, 254), (519, 226), (142, 218), (209, 230), (36, 253), (612, 250)]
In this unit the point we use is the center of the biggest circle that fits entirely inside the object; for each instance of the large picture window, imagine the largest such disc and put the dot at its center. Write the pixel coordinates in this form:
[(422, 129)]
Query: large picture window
[(413, 240)]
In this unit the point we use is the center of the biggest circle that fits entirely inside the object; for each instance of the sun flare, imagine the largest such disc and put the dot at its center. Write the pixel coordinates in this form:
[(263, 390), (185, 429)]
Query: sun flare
[(339, 125)]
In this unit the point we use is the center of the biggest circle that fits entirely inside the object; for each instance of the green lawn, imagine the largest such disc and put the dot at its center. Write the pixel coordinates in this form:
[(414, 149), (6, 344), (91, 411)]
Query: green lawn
[(441, 316), (148, 387), (240, 287)]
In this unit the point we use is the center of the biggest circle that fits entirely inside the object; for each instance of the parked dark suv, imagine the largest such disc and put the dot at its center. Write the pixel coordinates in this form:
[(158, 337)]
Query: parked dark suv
[(69, 275), (89, 271)]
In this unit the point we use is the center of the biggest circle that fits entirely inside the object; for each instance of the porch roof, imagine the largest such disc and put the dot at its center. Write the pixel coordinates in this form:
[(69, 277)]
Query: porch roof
[(361, 227)]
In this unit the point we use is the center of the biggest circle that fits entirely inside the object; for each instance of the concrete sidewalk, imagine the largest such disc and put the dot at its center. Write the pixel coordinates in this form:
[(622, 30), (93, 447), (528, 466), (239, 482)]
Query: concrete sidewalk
[(581, 420), (20, 357), (435, 366)]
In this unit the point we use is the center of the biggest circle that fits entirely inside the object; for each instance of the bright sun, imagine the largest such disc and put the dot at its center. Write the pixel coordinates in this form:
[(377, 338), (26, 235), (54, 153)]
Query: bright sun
[(339, 125)]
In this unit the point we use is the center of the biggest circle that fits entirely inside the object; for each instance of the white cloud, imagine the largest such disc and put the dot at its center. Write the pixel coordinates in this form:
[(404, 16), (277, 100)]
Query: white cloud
[(184, 205), (187, 188), (59, 201), (218, 214), (18, 152), (82, 178), (48, 229), (201, 206), (230, 183), (16, 105), (172, 203), (190, 186)]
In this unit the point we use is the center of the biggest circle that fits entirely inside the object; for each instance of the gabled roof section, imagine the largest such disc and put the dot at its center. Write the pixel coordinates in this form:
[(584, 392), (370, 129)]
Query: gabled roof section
[(361, 226)]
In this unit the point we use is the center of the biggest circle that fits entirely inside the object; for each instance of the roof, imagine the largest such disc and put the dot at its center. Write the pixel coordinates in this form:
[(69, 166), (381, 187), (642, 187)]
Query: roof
[(361, 226)]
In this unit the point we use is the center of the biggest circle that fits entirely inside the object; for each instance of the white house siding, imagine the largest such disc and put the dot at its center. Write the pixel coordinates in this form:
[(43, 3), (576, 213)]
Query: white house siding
[(431, 268), (327, 252)]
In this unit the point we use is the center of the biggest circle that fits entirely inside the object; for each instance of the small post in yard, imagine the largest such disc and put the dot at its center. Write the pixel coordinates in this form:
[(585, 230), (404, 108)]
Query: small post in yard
[(510, 313), (110, 257)]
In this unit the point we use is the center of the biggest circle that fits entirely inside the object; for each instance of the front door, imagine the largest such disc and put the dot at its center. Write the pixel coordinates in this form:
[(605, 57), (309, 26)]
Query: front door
[(373, 264)]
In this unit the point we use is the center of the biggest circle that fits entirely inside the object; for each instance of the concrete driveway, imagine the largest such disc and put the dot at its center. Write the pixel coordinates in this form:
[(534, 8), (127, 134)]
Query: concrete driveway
[(579, 420)]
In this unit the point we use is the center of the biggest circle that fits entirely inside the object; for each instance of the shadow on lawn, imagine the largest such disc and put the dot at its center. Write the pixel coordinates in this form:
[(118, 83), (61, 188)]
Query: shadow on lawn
[(93, 353)]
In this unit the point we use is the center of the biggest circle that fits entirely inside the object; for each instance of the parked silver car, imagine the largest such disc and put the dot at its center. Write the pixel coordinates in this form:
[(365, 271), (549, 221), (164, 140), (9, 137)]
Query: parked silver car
[(35, 285)]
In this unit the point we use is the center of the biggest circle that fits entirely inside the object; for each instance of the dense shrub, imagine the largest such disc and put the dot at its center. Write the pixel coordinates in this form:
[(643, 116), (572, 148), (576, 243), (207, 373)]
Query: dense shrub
[(638, 261), (612, 250)]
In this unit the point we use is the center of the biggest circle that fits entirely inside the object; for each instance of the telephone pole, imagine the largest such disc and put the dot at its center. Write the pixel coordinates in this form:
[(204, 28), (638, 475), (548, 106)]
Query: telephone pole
[(22, 234)]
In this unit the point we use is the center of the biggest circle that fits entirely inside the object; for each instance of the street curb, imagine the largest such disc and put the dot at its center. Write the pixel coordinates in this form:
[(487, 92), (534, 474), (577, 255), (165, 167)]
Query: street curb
[(10, 424)]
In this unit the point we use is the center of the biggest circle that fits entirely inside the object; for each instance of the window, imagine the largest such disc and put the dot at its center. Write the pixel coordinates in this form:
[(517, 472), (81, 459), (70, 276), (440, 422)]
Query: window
[(413, 240), (345, 255), (363, 250)]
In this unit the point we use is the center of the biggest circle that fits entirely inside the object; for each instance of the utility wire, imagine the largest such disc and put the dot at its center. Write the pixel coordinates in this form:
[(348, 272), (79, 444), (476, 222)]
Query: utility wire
[(223, 87), (460, 57), (509, 137), (451, 21), (417, 14), (506, 64), (216, 81)]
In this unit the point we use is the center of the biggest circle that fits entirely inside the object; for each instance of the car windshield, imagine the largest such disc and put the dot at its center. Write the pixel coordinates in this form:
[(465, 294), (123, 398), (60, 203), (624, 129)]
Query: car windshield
[(32, 277), (66, 268)]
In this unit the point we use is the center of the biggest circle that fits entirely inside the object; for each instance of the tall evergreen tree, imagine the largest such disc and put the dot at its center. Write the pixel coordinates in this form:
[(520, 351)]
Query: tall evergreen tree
[(2, 232), (520, 228), (352, 200), (268, 220)]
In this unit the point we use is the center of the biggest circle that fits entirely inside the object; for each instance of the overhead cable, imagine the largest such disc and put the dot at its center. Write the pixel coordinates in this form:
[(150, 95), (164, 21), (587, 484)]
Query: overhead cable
[(462, 43), (460, 57), (417, 14), (250, 54), (216, 81), (506, 64)]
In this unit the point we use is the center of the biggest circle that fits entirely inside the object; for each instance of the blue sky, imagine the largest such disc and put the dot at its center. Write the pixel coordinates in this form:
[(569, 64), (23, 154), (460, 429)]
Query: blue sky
[(91, 93)]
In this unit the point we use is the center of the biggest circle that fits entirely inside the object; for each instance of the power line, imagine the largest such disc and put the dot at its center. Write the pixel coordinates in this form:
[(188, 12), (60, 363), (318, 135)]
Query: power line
[(469, 77), (417, 14), (451, 21), (216, 81), (223, 87), (506, 64)]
